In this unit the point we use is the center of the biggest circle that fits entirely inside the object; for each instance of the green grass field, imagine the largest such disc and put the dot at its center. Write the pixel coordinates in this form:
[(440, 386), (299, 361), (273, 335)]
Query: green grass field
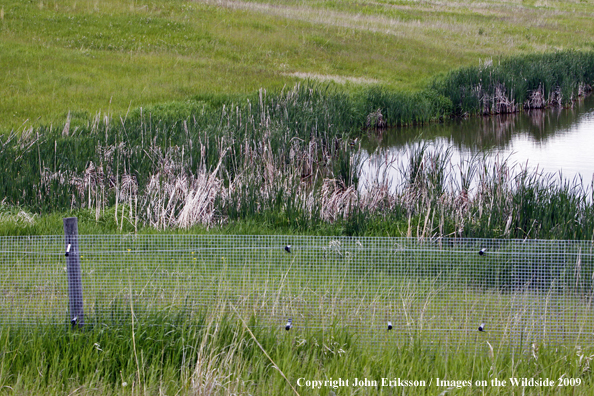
[(111, 56)]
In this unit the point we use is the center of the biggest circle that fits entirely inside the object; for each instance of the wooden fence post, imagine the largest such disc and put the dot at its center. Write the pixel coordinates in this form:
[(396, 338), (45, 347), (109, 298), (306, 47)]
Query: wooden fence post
[(74, 274)]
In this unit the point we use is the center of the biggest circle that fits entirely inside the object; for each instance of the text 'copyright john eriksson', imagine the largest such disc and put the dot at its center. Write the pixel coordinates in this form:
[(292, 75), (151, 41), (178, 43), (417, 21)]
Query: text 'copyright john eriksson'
[(438, 382)]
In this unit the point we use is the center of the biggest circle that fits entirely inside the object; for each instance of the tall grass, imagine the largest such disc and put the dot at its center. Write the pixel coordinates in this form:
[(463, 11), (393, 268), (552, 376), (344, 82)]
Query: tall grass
[(216, 355)]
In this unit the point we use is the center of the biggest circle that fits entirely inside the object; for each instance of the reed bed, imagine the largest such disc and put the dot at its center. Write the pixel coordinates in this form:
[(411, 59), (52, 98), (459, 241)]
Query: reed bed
[(293, 159)]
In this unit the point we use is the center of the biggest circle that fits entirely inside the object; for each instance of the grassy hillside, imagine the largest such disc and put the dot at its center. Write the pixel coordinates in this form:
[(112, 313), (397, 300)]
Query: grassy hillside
[(112, 55)]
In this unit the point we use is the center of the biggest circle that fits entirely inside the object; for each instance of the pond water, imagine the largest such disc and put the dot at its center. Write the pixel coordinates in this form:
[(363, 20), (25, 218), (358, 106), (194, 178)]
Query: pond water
[(559, 141)]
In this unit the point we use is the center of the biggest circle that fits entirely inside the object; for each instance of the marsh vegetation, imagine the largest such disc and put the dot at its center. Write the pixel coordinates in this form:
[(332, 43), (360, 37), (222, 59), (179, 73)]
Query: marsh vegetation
[(291, 160)]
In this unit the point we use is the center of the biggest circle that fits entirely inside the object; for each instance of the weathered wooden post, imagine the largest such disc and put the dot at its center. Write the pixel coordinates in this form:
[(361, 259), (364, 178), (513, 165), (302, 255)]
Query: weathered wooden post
[(73, 269)]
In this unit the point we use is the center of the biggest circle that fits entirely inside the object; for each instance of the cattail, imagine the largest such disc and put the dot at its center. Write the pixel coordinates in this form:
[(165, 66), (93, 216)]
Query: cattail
[(289, 324)]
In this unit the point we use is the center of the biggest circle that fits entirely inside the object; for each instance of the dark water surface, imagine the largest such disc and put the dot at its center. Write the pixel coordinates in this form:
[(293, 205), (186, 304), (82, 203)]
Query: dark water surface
[(552, 141)]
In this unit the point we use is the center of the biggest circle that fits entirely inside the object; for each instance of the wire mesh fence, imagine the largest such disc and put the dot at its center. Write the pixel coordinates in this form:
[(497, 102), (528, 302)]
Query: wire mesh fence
[(401, 288)]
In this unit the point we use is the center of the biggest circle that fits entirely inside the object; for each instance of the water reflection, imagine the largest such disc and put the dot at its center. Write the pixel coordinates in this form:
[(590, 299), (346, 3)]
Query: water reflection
[(558, 140)]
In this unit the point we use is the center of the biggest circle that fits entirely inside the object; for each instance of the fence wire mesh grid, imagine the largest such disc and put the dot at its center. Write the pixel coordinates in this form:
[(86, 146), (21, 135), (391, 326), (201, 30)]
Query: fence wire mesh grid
[(443, 288)]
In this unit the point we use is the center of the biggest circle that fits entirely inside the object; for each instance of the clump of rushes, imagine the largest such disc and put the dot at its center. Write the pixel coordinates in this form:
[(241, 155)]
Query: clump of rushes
[(524, 82)]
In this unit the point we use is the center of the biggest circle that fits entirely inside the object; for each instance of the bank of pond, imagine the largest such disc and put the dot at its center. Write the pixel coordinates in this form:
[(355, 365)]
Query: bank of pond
[(292, 160)]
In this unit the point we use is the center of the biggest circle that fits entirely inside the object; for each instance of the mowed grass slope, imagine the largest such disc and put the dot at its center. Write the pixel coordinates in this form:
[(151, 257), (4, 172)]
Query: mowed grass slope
[(112, 55)]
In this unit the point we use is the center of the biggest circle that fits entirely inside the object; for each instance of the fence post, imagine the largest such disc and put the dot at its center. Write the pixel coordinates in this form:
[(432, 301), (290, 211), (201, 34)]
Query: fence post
[(74, 274)]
